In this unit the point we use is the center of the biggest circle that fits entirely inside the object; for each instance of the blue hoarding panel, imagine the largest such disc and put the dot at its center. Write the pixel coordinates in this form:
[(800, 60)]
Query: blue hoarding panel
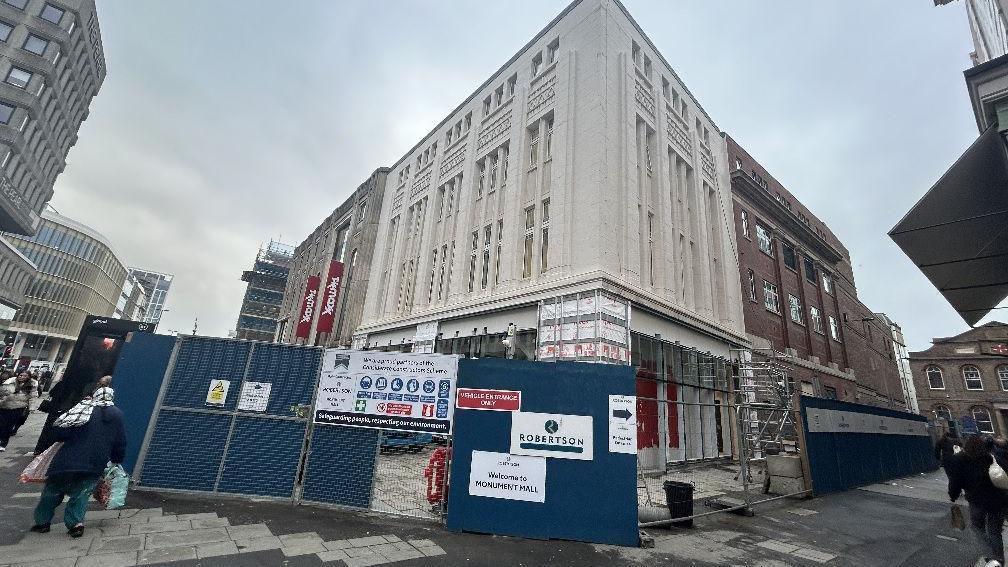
[(137, 380), (585, 500), (263, 457), (341, 465)]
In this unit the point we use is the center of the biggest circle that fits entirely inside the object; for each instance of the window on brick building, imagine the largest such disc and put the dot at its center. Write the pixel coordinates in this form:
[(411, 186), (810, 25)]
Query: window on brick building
[(816, 317), (936, 381), (797, 314), (765, 240), (834, 329), (745, 223), (811, 274), (983, 419), (972, 378), (830, 393), (790, 258), (770, 298), (1002, 373), (752, 286), (827, 283)]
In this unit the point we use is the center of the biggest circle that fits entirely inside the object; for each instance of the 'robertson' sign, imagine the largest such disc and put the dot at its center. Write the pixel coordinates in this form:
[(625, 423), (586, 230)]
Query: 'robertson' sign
[(552, 435)]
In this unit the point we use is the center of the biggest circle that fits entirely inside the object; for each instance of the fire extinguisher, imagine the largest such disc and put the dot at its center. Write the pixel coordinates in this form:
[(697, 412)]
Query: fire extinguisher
[(436, 471)]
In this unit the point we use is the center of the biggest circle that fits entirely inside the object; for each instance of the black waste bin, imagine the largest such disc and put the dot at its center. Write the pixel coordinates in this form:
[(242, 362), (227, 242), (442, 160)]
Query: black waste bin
[(679, 498)]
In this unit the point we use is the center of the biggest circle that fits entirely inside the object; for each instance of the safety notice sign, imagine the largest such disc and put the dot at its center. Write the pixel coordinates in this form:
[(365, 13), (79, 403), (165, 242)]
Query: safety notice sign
[(387, 390), (254, 396), (217, 392), (493, 400)]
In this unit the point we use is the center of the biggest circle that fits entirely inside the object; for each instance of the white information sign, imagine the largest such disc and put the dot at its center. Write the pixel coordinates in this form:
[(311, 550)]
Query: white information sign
[(623, 424), (387, 390), (511, 477), (837, 421), (217, 392), (254, 396), (552, 435)]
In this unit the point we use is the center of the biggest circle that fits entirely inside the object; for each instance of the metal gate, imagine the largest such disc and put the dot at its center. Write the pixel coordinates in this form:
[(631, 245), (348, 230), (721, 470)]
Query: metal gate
[(277, 452), (228, 449)]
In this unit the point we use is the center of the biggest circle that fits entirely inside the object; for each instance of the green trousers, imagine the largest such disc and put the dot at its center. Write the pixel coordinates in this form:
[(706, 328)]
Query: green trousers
[(77, 488)]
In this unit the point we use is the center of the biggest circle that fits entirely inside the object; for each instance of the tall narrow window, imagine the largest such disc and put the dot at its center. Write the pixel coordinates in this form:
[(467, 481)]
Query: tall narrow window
[(500, 232), (451, 198), (834, 330), (650, 239), (770, 299), (481, 168), (486, 256), (765, 240), (816, 317), (545, 235), (551, 51), (529, 241), (797, 314), (745, 223), (752, 286), (472, 259), (504, 165), (648, 136), (493, 171), (440, 285), (433, 274), (827, 283), (534, 147), (441, 202), (935, 379), (511, 84), (537, 64), (548, 141), (971, 376), (486, 106)]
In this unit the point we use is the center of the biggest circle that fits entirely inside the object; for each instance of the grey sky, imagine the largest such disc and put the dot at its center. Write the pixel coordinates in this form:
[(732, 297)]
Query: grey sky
[(223, 123)]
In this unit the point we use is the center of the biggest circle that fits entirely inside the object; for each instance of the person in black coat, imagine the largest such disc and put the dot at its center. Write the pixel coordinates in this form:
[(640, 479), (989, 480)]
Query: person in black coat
[(945, 447), (968, 473), (93, 435)]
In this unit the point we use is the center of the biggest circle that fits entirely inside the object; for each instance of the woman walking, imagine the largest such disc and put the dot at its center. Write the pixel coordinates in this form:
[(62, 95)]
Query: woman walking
[(15, 394), (968, 472), (93, 435)]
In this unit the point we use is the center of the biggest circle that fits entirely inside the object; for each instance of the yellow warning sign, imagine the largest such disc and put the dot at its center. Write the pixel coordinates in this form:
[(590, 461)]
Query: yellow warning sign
[(217, 393)]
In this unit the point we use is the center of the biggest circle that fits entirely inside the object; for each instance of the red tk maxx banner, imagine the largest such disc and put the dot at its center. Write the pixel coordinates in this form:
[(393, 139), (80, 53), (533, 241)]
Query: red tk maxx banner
[(307, 307), (330, 294)]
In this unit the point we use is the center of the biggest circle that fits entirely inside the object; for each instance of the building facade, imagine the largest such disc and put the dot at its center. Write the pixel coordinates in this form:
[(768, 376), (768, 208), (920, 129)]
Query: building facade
[(53, 65), (79, 274), (577, 204), (903, 363), (260, 308), (799, 294), (966, 376), (346, 238), (132, 302), (156, 286)]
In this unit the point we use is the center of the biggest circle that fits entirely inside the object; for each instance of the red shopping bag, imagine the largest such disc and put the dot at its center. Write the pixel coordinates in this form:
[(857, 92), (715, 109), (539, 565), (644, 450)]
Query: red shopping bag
[(102, 491), (37, 468)]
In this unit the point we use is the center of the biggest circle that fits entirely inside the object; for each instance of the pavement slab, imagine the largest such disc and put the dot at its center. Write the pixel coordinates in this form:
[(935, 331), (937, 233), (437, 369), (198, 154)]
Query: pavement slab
[(365, 541), (160, 527), (778, 546), (191, 537), (249, 531), (334, 555), (431, 551), (127, 559), (258, 544), (124, 544), (167, 555), (216, 549), (336, 544), (814, 555), (64, 562)]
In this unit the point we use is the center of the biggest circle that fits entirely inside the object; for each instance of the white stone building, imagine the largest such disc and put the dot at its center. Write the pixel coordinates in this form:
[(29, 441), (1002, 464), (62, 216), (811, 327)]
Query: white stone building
[(582, 164)]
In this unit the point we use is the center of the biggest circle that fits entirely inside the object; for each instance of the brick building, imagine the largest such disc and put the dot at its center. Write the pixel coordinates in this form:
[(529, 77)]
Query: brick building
[(966, 376), (799, 295)]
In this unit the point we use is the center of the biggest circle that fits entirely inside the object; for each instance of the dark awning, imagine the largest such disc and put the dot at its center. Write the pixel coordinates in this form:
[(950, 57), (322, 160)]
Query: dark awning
[(957, 234)]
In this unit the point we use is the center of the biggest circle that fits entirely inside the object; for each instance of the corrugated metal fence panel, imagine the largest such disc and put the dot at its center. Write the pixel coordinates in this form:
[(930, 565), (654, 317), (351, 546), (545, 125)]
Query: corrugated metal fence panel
[(185, 451), (292, 370), (263, 456), (341, 465), (840, 461), (201, 360)]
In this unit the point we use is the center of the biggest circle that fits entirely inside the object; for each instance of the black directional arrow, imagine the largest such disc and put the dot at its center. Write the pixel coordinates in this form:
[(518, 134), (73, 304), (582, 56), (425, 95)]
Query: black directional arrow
[(625, 414)]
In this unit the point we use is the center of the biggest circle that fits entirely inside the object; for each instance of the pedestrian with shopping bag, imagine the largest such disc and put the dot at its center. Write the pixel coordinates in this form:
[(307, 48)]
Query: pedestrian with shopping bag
[(969, 472), (93, 436), (15, 395)]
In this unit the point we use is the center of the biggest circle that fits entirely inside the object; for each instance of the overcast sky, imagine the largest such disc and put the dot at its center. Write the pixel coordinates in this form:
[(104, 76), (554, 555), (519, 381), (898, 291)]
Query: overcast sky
[(222, 124)]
